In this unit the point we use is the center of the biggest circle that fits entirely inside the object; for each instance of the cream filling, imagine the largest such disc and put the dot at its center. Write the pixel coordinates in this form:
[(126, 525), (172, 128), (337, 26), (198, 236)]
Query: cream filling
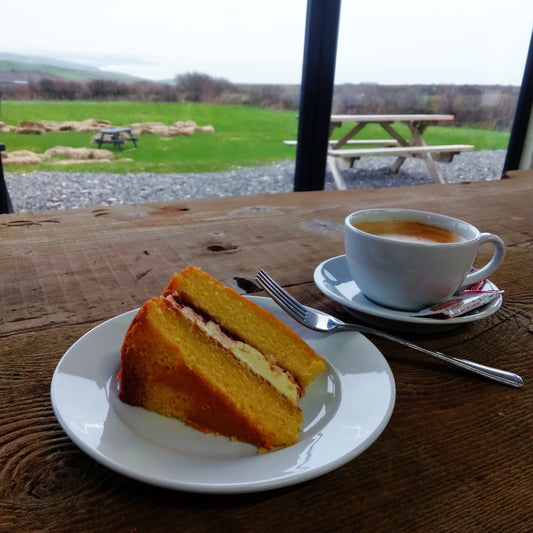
[(258, 363)]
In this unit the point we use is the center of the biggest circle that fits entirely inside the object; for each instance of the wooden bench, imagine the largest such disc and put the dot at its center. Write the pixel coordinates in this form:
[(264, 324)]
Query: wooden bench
[(445, 150)]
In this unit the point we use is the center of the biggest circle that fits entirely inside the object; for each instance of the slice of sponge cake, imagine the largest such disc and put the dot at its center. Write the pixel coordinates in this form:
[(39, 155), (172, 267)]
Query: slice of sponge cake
[(193, 354)]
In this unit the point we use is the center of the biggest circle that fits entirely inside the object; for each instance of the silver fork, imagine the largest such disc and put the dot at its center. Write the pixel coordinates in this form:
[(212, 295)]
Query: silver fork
[(320, 321)]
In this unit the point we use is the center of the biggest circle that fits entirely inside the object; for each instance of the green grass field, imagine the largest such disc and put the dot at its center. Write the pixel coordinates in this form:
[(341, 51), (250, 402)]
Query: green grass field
[(244, 136)]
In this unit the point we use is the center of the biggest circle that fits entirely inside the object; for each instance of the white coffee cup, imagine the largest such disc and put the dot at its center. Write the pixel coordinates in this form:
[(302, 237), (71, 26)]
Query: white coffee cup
[(395, 257)]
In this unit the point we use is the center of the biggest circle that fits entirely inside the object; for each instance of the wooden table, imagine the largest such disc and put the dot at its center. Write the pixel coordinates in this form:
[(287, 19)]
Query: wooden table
[(115, 136), (455, 456), (413, 146)]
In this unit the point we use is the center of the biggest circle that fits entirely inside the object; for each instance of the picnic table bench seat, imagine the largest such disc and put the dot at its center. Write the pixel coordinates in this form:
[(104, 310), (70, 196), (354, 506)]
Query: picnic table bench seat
[(443, 152), (115, 141)]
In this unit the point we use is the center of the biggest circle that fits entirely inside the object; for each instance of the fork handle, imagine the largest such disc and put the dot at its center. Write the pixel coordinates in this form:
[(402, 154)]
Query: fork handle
[(501, 376)]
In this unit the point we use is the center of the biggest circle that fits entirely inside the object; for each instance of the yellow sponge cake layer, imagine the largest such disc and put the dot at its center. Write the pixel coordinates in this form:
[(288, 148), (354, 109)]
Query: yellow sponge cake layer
[(171, 366), (258, 363), (248, 322)]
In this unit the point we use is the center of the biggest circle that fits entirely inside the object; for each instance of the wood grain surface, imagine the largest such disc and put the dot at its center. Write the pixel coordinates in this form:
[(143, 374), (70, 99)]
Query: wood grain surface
[(455, 456)]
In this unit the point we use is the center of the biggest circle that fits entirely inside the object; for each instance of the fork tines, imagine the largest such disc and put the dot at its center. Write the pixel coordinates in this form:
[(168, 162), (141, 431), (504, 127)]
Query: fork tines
[(281, 296)]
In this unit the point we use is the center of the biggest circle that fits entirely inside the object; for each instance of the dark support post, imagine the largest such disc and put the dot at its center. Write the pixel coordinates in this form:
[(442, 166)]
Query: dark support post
[(5, 200), (318, 78), (523, 116)]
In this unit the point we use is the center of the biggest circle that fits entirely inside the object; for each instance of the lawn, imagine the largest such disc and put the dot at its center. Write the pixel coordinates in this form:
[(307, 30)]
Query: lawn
[(244, 136)]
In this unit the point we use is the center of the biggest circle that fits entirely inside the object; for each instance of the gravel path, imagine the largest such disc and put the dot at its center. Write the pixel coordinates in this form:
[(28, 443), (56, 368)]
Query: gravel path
[(41, 191)]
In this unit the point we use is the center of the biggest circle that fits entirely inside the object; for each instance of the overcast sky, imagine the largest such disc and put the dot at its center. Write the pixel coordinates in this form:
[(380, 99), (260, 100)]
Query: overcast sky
[(251, 41)]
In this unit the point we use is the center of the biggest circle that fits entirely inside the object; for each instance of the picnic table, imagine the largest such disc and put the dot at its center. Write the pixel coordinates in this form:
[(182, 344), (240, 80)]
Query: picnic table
[(413, 146), (115, 136), (396, 144), (454, 456)]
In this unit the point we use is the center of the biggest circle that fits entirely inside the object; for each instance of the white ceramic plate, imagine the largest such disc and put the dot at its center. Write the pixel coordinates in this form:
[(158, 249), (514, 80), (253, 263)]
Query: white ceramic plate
[(345, 410), (333, 279)]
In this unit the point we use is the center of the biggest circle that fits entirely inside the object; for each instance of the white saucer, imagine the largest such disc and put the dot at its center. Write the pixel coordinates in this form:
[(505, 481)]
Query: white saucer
[(333, 279), (345, 410)]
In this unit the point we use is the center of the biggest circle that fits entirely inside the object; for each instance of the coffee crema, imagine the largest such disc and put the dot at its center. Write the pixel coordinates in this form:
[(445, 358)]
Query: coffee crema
[(408, 231)]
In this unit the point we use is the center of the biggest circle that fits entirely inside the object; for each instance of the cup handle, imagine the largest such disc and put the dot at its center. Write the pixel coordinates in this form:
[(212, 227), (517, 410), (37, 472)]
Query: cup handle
[(492, 265)]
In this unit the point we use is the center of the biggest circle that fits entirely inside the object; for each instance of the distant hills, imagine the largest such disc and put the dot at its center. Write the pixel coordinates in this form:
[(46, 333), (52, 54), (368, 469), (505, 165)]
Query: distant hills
[(18, 68), (22, 76)]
